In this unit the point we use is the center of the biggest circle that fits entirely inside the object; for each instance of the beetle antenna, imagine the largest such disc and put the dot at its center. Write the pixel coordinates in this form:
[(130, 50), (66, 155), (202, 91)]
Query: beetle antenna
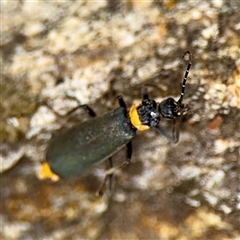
[(186, 75)]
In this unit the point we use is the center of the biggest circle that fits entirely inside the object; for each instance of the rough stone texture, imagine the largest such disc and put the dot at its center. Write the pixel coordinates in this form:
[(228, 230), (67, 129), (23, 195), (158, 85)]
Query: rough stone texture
[(70, 53)]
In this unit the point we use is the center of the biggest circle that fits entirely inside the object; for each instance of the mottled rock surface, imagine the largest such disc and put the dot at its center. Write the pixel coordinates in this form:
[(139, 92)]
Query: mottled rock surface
[(89, 52)]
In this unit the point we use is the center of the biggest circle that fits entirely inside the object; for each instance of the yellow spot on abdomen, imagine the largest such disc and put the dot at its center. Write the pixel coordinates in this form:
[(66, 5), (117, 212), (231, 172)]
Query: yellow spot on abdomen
[(46, 173)]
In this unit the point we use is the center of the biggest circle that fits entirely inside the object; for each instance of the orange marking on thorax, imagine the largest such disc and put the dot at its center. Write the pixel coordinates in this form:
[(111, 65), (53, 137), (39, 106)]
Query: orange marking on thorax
[(134, 117)]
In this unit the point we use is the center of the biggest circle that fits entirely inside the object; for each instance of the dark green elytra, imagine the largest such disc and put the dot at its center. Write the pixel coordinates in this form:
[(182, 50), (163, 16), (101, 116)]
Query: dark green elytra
[(90, 143)]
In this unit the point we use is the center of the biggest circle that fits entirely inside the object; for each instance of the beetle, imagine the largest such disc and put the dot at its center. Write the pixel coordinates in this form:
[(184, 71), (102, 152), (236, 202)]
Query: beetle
[(87, 144)]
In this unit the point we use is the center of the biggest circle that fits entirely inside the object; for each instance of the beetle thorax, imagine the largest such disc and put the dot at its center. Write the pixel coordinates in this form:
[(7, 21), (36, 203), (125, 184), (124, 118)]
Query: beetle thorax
[(145, 114)]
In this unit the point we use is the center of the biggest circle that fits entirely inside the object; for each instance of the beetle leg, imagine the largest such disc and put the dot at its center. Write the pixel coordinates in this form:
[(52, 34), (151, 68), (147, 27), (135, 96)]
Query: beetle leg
[(164, 133), (144, 92), (129, 152), (89, 110), (175, 134), (121, 102), (110, 176), (112, 170)]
